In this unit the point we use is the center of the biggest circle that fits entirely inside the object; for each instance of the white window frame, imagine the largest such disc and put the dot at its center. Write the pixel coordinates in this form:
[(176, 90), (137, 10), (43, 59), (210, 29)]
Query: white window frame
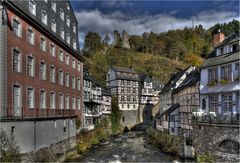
[(60, 55), (30, 38), (74, 44), (78, 84), (79, 66), (42, 100), (61, 77), (52, 50), (67, 59), (52, 100), (53, 5), (43, 76), (43, 44), (73, 63), (30, 72), (53, 25), (68, 38), (61, 101), (52, 74), (19, 61), (44, 17), (30, 100), (32, 7), (74, 28), (73, 82), (68, 20), (67, 79), (62, 34), (67, 101), (17, 31), (73, 103), (62, 14)]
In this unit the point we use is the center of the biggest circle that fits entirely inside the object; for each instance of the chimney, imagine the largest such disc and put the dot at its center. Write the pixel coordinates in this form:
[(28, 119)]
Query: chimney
[(218, 38)]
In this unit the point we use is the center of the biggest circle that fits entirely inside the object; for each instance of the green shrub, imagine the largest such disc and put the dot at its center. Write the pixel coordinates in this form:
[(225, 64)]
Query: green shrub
[(10, 152), (206, 157)]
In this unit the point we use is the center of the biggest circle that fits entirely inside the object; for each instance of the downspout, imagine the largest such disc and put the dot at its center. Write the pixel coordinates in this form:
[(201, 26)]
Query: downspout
[(34, 136)]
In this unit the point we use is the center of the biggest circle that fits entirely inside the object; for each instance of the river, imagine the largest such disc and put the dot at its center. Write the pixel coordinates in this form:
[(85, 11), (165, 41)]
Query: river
[(127, 147)]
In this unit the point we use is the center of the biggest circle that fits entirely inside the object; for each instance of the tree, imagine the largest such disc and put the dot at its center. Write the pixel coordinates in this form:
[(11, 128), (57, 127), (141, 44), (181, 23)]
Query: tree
[(10, 152), (106, 40), (93, 43), (115, 115)]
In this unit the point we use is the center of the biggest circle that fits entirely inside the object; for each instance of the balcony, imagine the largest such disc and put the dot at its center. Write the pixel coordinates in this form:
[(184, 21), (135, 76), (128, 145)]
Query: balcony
[(217, 118), (34, 113)]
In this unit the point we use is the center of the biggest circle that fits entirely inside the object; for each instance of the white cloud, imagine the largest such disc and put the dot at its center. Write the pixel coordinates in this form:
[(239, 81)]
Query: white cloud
[(102, 23)]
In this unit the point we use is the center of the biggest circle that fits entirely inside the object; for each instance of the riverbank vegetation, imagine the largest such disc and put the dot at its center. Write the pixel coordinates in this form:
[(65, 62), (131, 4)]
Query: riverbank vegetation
[(167, 143), (115, 117), (206, 157)]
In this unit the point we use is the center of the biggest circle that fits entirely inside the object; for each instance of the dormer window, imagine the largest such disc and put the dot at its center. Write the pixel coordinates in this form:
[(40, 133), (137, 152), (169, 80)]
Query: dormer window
[(74, 28), (74, 44), (68, 38), (44, 17), (227, 49), (53, 25), (218, 51), (52, 50), (68, 21), (67, 6), (62, 14), (62, 33), (53, 5), (32, 7)]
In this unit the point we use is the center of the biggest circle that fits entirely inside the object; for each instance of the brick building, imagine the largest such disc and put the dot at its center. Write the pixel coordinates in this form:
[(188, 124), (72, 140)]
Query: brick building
[(41, 72)]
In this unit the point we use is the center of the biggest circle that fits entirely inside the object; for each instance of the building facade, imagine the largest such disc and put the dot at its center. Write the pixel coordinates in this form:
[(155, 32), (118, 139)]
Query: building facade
[(41, 72), (219, 86), (123, 82)]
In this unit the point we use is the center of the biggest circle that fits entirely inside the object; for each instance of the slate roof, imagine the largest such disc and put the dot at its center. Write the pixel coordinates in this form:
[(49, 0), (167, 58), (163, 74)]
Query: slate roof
[(106, 92), (192, 79), (130, 73), (171, 109), (172, 82), (213, 60), (145, 78)]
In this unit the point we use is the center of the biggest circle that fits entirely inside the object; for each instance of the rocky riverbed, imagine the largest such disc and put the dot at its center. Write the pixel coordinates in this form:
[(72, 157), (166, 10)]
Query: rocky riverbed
[(127, 147)]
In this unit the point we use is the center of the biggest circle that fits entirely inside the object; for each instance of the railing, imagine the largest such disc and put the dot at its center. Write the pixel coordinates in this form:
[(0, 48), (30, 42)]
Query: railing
[(217, 118), (7, 113)]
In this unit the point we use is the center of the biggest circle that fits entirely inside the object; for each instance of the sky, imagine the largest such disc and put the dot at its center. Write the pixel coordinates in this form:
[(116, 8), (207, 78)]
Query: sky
[(138, 16)]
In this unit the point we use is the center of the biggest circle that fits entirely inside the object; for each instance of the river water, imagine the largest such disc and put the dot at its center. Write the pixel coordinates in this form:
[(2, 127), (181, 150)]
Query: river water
[(127, 147)]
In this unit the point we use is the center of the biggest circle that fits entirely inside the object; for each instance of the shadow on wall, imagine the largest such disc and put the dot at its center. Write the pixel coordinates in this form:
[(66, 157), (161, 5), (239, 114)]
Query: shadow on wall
[(147, 115)]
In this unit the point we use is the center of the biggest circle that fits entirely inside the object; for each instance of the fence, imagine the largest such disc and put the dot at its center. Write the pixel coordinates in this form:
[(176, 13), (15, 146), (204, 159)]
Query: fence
[(7, 113), (217, 118)]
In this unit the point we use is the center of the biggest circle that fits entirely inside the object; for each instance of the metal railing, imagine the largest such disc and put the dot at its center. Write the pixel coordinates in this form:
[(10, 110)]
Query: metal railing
[(7, 113), (217, 118)]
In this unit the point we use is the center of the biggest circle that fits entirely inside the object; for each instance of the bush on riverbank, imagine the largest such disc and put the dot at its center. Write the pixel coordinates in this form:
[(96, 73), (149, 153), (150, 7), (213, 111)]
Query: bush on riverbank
[(86, 139), (115, 117), (167, 143), (206, 157)]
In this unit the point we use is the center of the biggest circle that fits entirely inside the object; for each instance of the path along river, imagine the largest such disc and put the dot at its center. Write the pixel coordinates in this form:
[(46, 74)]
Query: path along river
[(127, 147)]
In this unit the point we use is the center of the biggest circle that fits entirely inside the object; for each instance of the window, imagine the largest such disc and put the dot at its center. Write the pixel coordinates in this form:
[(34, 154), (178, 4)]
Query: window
[(68, 21), (30, 66), (68, 38), (17, 27), (53, 25), (79, 66), (44, 17), (60, 55), (74, 44), (30, 98), (52, 50), (212, 75), (16, 60), (32, 7), (52, 74), (73, 82), (53, 4), (43, 44), (79, 103), (67, 79), (43, 70), (16, 98), (237, 102), (74, 28), (67, 59), (73, 103), (73, 63), (67, 5), (226, 72), (42, 99), (227, 103), (123, 119), (30, 36), (67, 102), (213, 103), (78, 84), (62, 33), (52, 100), (62, 14), (61, 99), (60, 77)]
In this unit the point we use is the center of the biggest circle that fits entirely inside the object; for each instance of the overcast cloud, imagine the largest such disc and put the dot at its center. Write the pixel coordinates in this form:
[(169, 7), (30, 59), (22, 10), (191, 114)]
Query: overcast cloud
[(96, 21)]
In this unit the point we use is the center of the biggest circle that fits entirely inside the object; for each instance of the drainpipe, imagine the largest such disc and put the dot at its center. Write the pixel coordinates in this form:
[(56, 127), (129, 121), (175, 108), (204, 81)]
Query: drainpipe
[(34, 136)]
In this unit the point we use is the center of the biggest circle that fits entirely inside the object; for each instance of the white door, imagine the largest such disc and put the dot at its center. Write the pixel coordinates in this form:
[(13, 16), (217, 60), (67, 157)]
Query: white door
[(16, 101)]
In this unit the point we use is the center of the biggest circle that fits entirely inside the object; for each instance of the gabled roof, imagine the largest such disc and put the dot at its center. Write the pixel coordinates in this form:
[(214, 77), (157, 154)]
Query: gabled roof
[(192, 79), (145, 78), (172, 82), (123, 69), (213, 59), (171, 109)]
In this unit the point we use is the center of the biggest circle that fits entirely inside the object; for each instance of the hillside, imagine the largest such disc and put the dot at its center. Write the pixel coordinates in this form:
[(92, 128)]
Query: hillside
[(158, 55)]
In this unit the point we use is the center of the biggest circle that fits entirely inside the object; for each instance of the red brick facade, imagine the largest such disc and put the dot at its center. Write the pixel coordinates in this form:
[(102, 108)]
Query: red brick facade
[(25, 81)]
